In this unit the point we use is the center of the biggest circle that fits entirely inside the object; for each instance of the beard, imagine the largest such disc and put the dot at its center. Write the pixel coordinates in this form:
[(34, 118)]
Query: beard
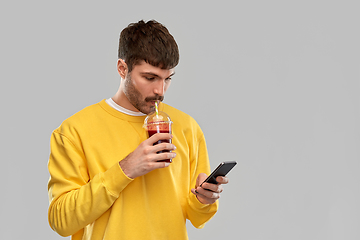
[(137, 100)]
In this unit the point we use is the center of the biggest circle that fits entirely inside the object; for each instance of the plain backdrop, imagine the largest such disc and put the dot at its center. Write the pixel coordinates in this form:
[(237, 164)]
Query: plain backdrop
[(273, 84)]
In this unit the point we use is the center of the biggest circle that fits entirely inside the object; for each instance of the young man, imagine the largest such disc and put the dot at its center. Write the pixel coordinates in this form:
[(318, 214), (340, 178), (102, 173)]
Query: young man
[(106, 181)]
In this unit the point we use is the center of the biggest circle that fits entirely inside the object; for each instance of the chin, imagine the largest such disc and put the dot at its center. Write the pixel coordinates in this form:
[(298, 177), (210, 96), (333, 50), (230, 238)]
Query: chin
[(151, 109), (146, 110), (145, 107)]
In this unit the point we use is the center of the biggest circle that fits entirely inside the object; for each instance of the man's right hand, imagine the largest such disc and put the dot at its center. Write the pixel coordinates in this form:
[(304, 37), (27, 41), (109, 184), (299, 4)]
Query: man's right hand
[(145, 158)]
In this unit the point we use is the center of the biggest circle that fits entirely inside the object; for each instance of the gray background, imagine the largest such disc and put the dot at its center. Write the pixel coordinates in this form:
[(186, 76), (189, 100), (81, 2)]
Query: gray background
[(274, 85)]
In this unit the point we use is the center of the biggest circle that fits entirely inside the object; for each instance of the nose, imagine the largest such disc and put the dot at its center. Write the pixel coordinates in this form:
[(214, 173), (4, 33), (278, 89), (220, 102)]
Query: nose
[(160, 87)]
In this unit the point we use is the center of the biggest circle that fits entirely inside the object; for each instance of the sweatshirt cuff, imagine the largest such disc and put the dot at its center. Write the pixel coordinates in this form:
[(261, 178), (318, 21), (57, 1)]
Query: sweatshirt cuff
[(115, 180)]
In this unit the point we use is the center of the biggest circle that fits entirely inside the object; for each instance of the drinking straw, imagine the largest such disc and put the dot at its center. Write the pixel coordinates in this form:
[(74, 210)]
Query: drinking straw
[(156, 108)]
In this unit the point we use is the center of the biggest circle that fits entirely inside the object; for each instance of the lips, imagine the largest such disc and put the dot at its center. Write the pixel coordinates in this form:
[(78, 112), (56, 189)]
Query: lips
[(152, 102)]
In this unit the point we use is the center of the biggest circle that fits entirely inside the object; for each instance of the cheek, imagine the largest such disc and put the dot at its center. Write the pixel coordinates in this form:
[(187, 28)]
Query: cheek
[(141, 88), (144, 91), (167, 85)]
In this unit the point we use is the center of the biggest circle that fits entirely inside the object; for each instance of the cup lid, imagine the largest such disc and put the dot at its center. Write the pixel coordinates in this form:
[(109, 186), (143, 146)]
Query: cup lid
[(160, 117)]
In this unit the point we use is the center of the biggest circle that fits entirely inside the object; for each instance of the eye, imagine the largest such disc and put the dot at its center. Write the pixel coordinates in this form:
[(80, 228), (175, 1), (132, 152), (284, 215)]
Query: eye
[(150, 78)]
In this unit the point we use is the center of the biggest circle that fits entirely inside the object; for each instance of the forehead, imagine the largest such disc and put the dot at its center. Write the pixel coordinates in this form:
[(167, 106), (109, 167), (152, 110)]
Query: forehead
[(145, 68)]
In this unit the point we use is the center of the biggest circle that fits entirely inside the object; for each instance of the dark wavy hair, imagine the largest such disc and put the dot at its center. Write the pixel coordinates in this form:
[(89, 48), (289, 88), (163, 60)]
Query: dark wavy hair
[(151, 42)]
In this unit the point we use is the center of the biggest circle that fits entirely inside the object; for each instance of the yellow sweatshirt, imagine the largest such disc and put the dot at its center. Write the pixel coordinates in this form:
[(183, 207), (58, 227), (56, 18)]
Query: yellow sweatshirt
[(90, 196)]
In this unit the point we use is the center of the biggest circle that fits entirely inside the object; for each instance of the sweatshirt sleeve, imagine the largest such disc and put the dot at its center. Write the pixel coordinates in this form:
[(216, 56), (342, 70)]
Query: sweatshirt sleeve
[(197, 212), (75, 199)]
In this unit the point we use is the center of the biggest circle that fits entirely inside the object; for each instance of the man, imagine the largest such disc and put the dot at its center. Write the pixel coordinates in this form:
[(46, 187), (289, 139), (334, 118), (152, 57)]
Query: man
[(107, 180)]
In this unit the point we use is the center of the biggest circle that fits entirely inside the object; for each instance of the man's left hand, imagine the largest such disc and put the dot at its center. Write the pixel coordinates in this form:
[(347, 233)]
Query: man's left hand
[(208, 193)]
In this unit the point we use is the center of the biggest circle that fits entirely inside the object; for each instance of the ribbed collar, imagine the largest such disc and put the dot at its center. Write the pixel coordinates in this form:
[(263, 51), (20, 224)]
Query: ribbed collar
[(124, 116)]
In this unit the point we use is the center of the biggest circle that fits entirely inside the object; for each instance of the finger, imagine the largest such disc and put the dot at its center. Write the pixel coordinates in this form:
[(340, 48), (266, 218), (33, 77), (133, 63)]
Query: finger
[(163, 156), (213, 187), (196, 193), (157, 165), (202, 198), (207, 194), (222, 180), (200, 179), (159, 136), (163, 147)]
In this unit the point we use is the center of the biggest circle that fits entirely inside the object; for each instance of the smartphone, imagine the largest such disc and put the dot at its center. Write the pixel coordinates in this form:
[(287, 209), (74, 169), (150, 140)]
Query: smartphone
[(221, 170)]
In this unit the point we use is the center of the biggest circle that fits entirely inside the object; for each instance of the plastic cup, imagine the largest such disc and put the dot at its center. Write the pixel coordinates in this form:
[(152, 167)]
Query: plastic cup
[(159, 122)]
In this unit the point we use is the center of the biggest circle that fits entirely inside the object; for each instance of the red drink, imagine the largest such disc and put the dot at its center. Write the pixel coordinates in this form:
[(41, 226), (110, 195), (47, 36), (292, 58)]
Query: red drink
[(160, 127), (159, 122)]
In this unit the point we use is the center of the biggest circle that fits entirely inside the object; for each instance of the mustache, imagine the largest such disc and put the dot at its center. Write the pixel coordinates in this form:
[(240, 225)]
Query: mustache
[(155, 98)]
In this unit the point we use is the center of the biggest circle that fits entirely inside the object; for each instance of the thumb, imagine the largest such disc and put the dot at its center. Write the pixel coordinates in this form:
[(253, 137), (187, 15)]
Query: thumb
[(200, 179)]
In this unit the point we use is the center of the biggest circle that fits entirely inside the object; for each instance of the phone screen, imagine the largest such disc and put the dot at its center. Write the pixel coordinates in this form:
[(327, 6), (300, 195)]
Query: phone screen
[(221, 170)]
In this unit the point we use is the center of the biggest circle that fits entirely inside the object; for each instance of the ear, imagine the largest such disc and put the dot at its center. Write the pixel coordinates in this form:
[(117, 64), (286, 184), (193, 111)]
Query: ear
[(122, 68)]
